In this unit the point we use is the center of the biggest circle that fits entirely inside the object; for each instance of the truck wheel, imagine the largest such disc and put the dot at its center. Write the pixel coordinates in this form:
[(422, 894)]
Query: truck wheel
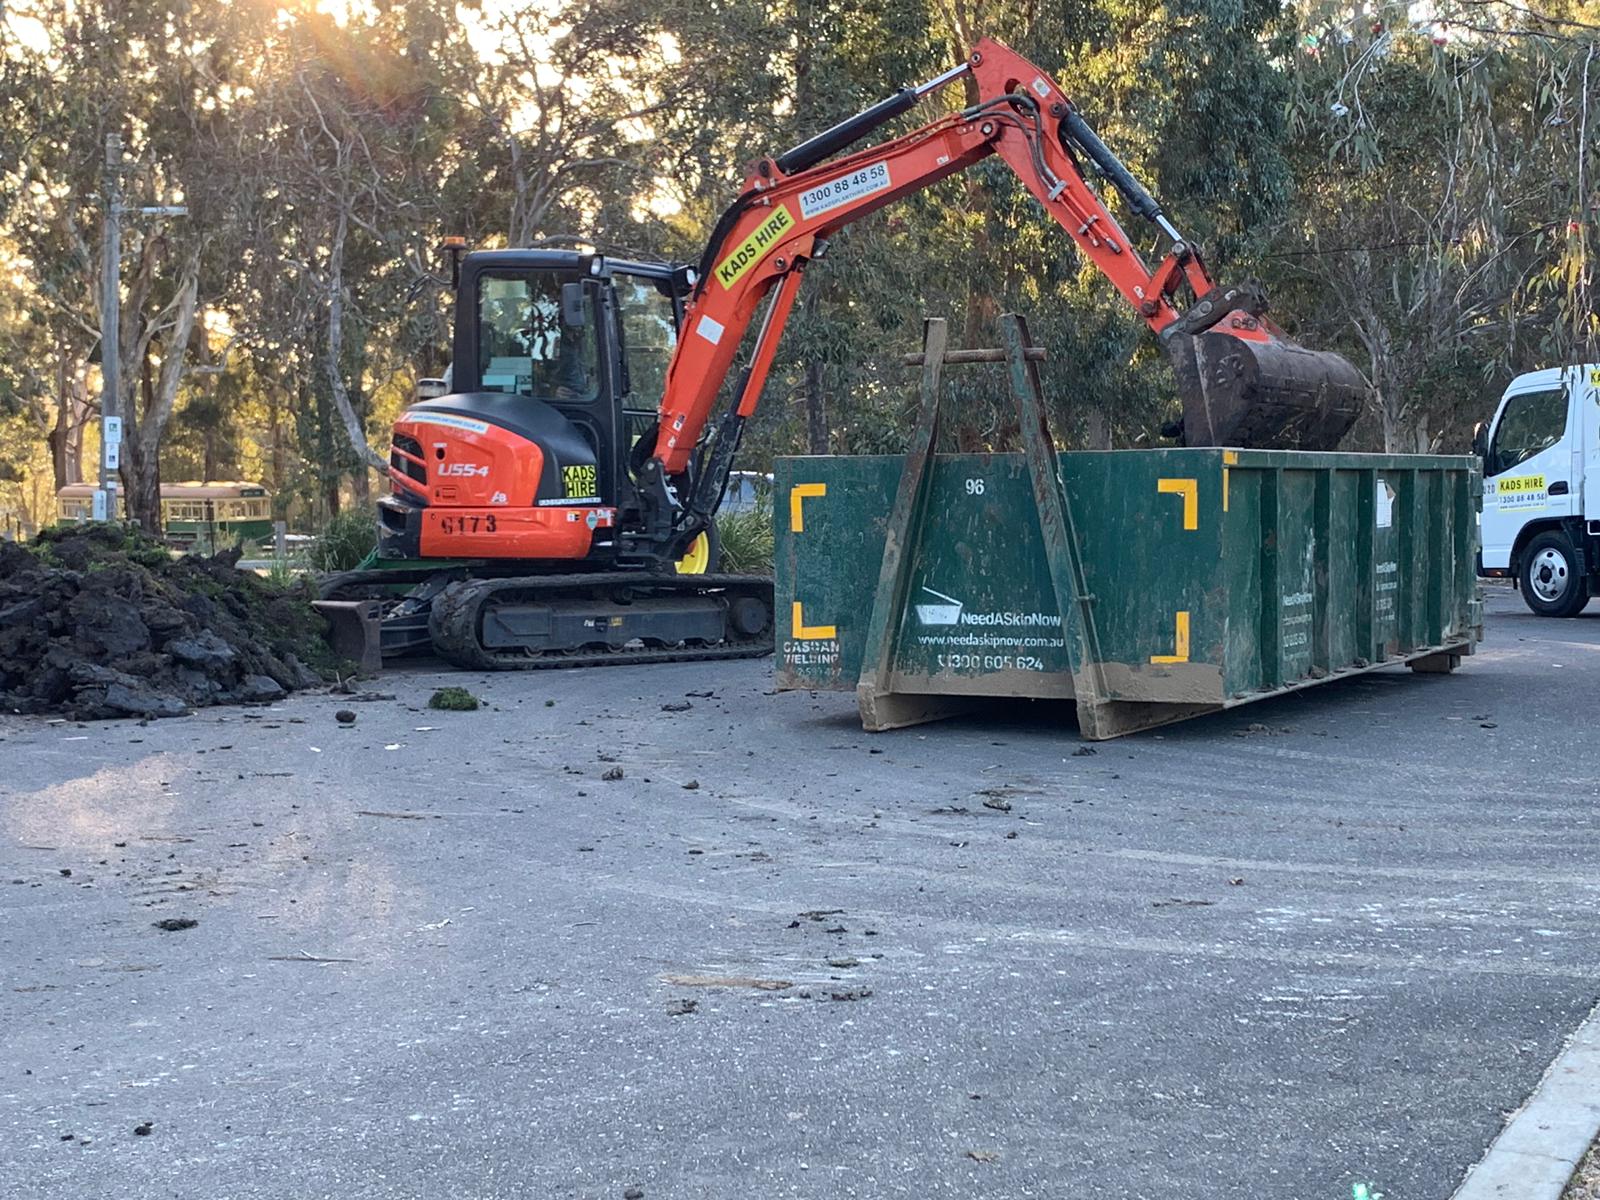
[(1551, 585)]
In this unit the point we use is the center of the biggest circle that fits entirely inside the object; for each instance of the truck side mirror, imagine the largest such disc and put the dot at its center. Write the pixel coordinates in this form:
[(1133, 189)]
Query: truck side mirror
[(1480, 439), (574, 314)]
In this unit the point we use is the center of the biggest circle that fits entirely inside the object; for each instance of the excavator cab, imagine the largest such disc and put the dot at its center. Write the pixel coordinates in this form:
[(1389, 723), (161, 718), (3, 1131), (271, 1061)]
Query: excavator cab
[(558, 361)]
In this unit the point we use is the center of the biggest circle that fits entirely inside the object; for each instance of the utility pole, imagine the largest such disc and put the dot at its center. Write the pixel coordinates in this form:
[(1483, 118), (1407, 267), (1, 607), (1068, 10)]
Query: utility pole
[(105, 499)]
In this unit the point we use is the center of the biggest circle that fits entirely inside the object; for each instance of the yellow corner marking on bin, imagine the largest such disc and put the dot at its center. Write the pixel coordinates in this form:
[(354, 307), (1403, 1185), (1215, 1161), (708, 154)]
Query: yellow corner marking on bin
[(1189, 489), (1224, 489), (1180, 638), (799, 492), (812, 633), (1230, 458)]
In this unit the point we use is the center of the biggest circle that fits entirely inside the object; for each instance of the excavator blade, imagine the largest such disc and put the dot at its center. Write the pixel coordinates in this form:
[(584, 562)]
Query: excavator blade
[(1269, 394)]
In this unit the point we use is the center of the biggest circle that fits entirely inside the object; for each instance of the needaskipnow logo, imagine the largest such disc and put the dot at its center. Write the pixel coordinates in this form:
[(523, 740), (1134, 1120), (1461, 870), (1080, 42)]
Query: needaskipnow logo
[(947, 610), (947, 613)]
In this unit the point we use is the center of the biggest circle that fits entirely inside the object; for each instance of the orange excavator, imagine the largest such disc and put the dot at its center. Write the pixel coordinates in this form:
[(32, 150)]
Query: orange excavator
[(553, 505)]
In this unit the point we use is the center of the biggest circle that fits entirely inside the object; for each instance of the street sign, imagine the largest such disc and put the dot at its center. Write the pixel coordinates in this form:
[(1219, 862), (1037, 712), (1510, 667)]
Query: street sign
[(111, 435), (99, 505)]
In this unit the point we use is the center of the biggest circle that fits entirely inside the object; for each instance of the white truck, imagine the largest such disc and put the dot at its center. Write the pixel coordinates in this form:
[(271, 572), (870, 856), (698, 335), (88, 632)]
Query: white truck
[(1541, 488)]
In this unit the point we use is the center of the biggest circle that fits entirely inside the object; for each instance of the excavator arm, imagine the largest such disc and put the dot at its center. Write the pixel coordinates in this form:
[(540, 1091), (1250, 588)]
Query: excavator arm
[(1242, 381)]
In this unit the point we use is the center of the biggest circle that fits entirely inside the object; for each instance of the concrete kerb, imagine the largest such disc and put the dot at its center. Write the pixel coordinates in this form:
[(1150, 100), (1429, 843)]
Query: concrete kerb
[(1543, 1142)]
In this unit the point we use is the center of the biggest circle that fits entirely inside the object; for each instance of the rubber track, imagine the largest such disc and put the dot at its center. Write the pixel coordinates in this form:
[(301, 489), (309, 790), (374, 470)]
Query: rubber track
[(454, 621)]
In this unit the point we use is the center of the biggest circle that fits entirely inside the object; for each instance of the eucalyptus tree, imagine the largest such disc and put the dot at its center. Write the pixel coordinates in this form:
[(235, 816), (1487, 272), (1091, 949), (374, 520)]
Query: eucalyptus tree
[(156, 73), (1444, 224)]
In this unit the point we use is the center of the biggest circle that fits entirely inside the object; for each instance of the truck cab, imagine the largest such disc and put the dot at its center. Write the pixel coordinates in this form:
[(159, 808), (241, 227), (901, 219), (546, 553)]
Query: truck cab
[(1541, 488)]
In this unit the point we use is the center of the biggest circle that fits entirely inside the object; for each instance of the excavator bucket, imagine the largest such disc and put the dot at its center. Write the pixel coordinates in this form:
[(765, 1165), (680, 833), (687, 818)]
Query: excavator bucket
[(1267, 394)]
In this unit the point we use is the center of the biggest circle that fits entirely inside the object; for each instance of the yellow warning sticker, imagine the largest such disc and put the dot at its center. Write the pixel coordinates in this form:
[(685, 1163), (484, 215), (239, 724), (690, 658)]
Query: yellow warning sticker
[(1594, 375), (581, 482), (1522, 483), (755, 247)]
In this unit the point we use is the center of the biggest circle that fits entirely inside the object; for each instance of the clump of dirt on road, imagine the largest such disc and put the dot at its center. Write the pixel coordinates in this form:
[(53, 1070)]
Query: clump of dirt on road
[(454, 699), (99, 621)]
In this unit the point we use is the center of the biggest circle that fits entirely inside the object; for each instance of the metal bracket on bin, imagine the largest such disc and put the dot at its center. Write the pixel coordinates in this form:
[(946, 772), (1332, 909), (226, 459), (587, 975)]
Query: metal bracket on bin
[(881, 705)]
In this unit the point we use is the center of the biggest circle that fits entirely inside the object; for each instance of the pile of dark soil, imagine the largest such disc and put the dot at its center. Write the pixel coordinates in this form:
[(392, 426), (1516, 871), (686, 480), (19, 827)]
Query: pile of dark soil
[(100, 621)]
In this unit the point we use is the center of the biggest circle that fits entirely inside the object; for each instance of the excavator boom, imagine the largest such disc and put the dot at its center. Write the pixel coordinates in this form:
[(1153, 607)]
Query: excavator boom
[(1241, 380)]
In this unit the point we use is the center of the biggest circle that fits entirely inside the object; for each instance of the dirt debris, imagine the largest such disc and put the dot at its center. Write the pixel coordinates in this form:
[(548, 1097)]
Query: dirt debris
[(851, 994), (728, 981), (98, 621)]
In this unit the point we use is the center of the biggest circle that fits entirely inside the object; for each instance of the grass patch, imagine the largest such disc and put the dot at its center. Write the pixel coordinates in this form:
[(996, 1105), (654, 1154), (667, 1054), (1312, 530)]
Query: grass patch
[(454, 699), (747, 539), (345, 542)]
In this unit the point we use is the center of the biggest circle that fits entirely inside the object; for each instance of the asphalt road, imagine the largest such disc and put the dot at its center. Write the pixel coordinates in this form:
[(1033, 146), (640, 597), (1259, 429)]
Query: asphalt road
[(1318, 942)]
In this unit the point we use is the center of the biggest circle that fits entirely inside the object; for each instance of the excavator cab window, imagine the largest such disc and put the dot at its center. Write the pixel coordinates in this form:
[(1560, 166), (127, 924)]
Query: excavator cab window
[(649, 333), (533, 340)]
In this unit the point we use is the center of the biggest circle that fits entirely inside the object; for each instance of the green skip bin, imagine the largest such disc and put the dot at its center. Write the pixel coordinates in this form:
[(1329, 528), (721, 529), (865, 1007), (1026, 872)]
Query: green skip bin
[(1148, 585)]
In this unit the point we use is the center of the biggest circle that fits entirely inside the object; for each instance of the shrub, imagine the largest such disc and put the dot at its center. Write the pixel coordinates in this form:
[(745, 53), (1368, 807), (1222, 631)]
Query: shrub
[(746, 538), (345, 542)]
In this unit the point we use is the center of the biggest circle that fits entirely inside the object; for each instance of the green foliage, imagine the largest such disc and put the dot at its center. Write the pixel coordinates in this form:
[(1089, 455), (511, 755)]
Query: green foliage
[(109, 540), (746, 538), (345, 542), (285, 573), (1438, 231), (454, 699)]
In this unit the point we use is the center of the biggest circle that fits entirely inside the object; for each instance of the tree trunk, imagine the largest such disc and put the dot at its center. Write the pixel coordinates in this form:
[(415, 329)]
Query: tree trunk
[(1097, 429), (141, 470), (59, 455), (333, 362), (65, 436), (143, 426), (816, 399), (80, 419)]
